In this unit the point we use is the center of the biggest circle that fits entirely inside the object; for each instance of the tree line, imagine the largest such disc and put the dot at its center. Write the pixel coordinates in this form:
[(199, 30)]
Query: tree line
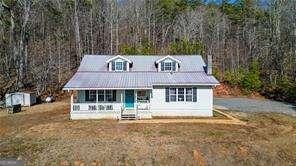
[(252, 44)]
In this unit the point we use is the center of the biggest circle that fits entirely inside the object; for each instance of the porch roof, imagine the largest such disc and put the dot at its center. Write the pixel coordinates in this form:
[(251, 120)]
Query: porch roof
[(136, 80)]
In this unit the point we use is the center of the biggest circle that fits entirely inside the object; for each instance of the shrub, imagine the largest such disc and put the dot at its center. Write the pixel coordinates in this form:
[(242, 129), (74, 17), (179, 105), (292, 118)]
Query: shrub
[(234, 78), (251, 81)]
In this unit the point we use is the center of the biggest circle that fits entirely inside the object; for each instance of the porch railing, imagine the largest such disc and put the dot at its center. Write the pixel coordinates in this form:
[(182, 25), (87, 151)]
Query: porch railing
[(94, 106)]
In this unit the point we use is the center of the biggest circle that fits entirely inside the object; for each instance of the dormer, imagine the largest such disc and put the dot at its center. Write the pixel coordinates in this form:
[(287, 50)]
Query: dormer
[(168, 64), (119, 63)]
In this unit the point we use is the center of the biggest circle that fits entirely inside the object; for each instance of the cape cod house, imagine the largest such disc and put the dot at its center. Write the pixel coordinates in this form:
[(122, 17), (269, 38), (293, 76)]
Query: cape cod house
[(137, 87)]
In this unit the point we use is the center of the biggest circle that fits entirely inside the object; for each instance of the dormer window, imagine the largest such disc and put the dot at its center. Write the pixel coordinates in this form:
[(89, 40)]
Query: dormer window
[(118, 66), (119, 63), (168, 64)]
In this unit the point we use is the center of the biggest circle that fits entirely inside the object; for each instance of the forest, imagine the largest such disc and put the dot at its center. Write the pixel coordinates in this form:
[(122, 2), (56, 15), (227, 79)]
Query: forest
[(252, 42)]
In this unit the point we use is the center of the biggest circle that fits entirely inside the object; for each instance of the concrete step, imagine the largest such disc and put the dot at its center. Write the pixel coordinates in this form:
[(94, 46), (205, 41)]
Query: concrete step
[(128, 117)]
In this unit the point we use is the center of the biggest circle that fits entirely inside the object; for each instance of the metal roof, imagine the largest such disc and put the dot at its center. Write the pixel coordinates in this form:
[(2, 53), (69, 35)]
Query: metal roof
[(136, 80), (142, 62), (93, 73)]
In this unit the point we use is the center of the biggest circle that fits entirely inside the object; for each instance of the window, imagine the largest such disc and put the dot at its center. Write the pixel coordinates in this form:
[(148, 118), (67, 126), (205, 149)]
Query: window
[(109, 95), (92, 95), (119, 66), (142, 95), (173, 93), (168, 66), (103, 95), (189, 94), (180, 94), (100, 95)]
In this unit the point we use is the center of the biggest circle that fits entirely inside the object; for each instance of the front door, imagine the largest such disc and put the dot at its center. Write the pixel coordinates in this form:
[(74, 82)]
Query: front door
[(129, 98)]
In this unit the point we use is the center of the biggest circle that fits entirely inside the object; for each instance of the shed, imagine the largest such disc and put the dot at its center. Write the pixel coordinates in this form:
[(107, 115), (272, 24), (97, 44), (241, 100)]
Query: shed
[(23, 98)]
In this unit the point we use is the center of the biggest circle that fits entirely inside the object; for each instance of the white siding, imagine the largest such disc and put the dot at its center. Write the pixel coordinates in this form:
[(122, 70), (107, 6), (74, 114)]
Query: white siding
[(203, 106)]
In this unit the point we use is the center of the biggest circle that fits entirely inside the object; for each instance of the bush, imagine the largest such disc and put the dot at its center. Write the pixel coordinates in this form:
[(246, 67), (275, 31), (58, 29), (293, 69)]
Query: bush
[(251, 81), (234, 78)]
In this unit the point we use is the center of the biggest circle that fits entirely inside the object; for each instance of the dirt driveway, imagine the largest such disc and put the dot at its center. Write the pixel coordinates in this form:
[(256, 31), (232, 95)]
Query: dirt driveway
[(256, 105), (44, 135)]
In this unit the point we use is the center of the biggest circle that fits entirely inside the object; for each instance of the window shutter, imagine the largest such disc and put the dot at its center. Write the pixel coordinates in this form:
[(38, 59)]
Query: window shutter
[(162, 66), (114, 95), (167, 94), (87, 95), (194, 94), (113, 65), (174, 66), (124, 65)]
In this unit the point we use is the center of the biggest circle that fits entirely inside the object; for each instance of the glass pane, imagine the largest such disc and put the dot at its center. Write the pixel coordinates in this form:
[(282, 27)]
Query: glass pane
[(180, 97), (119, 66), (188, 97), (92, 95), (188, 91), (100, 95), (180, 90), (168, 66), (172, 97), (172, 90), (142, 95), (109, 96)]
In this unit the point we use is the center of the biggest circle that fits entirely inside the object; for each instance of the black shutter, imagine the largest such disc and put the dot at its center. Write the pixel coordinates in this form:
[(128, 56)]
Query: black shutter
[(113, 65), (162, 66), (114, 95), (194, 94), (87, 95), (124, 65), (167, 94), (174, 66)]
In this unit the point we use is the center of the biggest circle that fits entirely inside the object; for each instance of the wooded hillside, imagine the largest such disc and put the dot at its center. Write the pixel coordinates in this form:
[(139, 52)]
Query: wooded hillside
[(253, 44)]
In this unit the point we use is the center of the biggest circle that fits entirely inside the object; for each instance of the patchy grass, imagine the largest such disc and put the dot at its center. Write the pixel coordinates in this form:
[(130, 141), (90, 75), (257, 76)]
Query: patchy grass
[(44, 135)]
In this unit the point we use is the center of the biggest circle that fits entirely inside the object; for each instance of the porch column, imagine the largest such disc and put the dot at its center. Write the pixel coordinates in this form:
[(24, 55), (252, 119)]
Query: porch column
[(97, 96), (71, 101)]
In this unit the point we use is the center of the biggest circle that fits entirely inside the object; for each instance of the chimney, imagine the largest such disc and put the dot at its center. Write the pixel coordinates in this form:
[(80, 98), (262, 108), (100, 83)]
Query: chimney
[(209, 65)]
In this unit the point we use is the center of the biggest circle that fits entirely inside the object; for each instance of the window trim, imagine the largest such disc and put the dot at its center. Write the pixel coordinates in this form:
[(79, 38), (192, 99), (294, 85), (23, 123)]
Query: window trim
[(176, 95), (104, 94)]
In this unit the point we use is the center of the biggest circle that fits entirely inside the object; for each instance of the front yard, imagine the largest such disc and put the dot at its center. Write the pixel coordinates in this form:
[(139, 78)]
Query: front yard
[(44, 135)]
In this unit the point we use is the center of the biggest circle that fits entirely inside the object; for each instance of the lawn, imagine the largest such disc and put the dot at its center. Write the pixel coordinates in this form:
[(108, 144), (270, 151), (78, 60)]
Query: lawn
[(44, 135)]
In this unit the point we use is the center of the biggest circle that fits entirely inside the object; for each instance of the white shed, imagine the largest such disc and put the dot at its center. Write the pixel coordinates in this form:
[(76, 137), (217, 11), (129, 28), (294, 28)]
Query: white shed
[(23, 98)]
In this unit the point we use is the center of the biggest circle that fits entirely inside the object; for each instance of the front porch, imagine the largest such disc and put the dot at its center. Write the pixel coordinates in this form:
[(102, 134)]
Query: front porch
[(111, 104)]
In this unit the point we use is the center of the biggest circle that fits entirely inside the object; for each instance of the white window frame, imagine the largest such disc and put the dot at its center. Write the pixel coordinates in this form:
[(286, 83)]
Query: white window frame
[(176, 95)]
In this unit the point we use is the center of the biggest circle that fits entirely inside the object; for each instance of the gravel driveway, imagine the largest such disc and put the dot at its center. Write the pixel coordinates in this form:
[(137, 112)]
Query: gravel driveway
[(255, 105)]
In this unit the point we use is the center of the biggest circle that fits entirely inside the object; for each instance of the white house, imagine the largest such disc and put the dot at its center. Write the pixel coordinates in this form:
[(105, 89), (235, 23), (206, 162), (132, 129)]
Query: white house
[(137, 87)]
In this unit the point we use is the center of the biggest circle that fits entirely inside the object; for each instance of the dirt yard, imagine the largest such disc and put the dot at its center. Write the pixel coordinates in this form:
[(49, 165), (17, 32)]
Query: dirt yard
[(44, 135)]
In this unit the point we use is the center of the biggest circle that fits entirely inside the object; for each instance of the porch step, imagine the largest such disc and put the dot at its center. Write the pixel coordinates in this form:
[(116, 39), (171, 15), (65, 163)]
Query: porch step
[(128, 117)]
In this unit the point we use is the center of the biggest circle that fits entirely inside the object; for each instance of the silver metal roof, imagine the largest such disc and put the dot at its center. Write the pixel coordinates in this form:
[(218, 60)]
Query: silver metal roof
[(93, 74), (141, 62), (136, 80)]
